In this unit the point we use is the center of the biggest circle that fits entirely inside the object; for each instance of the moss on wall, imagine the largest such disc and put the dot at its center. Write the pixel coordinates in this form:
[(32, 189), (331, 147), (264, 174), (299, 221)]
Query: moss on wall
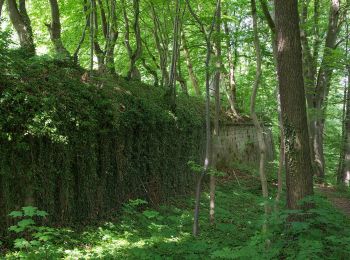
[(79, 148)]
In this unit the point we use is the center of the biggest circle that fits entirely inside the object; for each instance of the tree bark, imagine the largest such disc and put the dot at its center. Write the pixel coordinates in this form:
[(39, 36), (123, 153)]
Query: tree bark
[(1, 5), (291, 84), (111, 38), (344, 160), (317, 83), (322, 89), (231, 91), (344, 173), (189, 64), (171, 90), (55, 30), (21, 23), (216, 84), (133, 72), (162, 46)]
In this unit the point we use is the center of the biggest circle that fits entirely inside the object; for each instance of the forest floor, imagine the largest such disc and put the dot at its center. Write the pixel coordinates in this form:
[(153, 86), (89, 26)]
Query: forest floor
[(339, 199), (145, 231)]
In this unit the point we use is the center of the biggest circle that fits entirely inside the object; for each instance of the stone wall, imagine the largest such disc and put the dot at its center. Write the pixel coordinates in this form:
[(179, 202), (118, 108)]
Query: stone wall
[(238, 144)]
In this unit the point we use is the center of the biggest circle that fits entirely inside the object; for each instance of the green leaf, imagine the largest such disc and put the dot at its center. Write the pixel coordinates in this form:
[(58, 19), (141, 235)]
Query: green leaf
[(150, 213), (29, 211), (25, 223), (21, 243), (16, 214)]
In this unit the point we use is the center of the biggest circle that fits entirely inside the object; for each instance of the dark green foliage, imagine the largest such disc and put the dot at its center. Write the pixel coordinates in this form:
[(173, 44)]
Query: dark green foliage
[(79, 148)]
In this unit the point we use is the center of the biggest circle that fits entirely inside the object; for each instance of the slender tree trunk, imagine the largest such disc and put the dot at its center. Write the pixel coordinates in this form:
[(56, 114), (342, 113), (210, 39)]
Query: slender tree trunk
[(231, 91), (134, 56), (111, 38), (344, 176), (92, 35), (162, 46), (1, 5), (317, 83), (171, 91), (55, 30), (270, 21), (322, 88), (21, 23), (258, 127), (189, 64), (291, 84), (344, 160), (216, 83), (207, 36), (82, 38)]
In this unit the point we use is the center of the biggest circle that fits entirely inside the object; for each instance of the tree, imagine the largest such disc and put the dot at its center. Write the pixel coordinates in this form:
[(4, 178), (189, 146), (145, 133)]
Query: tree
[(55, 30), (134, 55), (257, 124), (344, 162), (208, 153), (1, 5), (299, 174), (21, 22), (171, 88), (318, 80)]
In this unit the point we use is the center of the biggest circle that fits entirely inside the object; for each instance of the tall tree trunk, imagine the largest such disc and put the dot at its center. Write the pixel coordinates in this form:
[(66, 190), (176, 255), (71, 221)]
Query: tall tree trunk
[(22, 25), (207, 36), (216, 84), (171, 91), (344, 160), (270, 21), (258, 127), (322, 88), (291, 84), (55, 30), (344, 172)]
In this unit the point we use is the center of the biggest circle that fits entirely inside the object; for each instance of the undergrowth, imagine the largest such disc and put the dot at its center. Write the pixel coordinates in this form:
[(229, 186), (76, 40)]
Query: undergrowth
[(143, 232)]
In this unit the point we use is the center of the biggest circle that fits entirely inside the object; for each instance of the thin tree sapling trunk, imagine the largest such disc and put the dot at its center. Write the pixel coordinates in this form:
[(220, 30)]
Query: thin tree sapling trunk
[(258, 126), (207, 35)]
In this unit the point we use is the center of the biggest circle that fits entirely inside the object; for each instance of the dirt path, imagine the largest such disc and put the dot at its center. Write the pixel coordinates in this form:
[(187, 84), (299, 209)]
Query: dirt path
[(341, 203)]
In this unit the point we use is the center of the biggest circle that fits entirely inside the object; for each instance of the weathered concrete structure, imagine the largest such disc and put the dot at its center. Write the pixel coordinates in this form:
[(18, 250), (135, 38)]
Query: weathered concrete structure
[(238, 144)]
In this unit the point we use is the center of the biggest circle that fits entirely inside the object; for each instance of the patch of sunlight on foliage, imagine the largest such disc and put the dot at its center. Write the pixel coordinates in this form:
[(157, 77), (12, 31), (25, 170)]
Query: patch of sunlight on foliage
[(165, 232)]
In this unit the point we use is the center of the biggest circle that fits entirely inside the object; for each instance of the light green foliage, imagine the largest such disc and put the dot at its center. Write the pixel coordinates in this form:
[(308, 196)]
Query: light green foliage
[(165, 233), (28, 233)]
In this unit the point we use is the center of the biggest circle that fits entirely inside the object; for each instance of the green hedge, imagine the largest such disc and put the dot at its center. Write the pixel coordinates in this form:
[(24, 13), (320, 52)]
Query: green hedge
[(80, 148)]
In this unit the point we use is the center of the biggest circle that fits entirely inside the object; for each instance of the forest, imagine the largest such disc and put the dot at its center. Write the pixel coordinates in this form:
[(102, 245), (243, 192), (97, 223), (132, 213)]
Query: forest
[(174, 129)]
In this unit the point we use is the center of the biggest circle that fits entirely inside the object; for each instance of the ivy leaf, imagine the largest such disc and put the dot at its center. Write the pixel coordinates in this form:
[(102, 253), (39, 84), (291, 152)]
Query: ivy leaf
[(29, 211), (16, 214)]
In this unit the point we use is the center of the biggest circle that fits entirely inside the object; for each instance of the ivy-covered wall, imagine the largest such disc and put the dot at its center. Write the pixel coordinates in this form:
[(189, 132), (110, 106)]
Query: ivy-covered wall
[(79, 148)]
